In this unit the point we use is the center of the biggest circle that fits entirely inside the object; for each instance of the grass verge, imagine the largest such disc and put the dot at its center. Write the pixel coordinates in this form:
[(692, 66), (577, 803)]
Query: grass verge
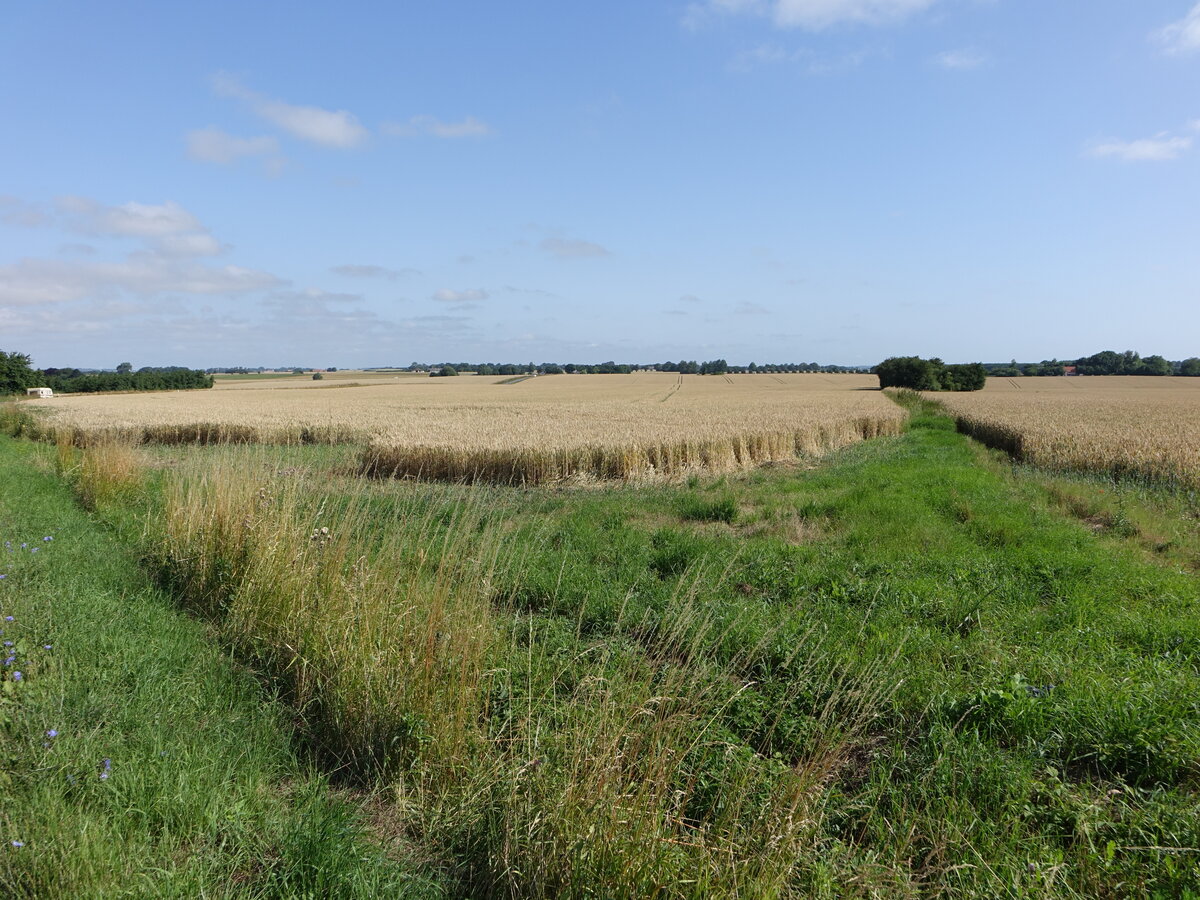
[(135, 759)]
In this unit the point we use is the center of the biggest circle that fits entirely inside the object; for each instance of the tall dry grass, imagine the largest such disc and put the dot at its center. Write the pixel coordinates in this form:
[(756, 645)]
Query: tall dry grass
[(393, 638)]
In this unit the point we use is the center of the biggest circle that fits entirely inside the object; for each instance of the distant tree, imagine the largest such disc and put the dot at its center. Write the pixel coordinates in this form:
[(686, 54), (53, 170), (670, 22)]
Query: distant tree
[(332, 369), (1154, 365), (125, 368), (930, 374), (1190, 366), (910, 372), (317, 376), (297, 371), (443, 372)]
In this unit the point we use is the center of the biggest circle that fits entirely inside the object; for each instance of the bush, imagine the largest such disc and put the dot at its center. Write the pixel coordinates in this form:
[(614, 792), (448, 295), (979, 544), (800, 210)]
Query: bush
[(918, 374), (317, 376)]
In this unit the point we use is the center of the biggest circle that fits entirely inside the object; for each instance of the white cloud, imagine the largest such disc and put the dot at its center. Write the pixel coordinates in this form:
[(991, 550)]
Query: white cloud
[(690, 298), (145, 220), (566, 248), (215, 146), (355, 271), (39, 281), (330, 128), (472, 295), (960, 59), (167, 228), (747, 308), (15, 211), (1182, 36), (189, 245), (809, 14), (470, 127), (1160, 148)]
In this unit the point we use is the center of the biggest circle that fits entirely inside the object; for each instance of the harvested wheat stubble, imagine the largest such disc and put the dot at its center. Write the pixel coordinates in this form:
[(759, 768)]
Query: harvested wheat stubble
[(537, 430), (1141, 426)]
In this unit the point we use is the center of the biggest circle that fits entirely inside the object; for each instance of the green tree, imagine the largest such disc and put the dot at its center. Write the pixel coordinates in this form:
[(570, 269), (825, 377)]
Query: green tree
[(1190, 366), (125, 368), (15, 373)]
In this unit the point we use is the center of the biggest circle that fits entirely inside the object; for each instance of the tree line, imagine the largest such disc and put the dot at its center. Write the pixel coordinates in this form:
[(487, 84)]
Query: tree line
[(17, 374), (684, 366)]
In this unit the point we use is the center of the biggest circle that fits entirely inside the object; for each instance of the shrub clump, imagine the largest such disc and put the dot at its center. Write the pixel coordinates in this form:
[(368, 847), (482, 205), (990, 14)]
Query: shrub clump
[(919, 374)]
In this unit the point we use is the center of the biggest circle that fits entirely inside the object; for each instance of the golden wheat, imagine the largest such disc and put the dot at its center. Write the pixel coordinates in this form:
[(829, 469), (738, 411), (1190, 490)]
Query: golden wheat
[(537, 430), (1147, 427)]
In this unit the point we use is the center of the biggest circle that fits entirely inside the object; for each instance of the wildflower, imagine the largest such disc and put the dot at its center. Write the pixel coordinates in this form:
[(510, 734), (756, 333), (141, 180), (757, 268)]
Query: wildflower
[(52, 733), (48, 538), (107, 769), (18, 844), (8, 619), (47, 646), (10, 660), (34, 550), (23, 546), (17, 676), (3, 576), (8, 643)]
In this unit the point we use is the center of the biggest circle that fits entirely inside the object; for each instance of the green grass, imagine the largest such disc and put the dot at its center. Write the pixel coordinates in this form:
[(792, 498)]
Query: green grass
[(960, 686), (170, 774)]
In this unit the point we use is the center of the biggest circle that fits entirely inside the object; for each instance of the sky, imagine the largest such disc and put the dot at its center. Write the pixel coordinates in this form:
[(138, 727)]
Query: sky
[(368, 184)]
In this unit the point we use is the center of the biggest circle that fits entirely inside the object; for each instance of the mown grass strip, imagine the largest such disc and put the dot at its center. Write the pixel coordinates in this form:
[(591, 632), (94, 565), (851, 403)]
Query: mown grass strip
[(135, 759)]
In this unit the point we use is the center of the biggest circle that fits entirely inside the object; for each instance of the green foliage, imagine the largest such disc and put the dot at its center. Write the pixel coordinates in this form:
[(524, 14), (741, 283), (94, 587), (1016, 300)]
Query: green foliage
[(168, 774), (317, 376), (917, 374), (1190, 366), (443, 372), (15, 373), (167, 378)]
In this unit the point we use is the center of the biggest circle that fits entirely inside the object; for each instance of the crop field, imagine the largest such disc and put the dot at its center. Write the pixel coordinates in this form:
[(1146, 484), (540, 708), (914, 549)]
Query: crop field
[(532, 431), (1142, 426)]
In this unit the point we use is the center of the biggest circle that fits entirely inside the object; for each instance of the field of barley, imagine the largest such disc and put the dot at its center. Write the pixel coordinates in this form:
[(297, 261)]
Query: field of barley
[(492, 428), (1146, 427)]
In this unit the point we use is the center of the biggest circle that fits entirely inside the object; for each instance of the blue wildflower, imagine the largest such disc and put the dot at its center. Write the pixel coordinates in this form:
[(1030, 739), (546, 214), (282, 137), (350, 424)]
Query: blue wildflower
[(18, 844), (107, 769), (47, 646), (8, 643), (34, 550), (52, 733), (8, 619), (48, 538), (17, 676)]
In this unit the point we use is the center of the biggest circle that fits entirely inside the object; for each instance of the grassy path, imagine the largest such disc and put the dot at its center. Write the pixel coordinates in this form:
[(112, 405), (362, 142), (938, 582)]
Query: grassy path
[(135, 759)]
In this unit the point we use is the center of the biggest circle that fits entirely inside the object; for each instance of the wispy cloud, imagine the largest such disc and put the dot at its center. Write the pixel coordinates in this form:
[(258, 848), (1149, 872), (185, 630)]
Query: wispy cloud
[(358, 271), (167, 228), (39, 281), (960, 59), (213, 145), (1182, 36), (15, 211), (329, 128), (568, 248), (812, 15), (1160, 148), (747, 308), (470, 127), (471, 295)]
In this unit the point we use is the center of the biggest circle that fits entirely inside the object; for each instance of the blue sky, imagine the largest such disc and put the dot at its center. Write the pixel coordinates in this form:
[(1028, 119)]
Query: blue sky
[(768, 180)]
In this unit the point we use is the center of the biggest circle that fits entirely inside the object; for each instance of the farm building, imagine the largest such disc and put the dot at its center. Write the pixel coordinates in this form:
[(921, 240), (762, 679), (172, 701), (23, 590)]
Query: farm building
[(42, 393)]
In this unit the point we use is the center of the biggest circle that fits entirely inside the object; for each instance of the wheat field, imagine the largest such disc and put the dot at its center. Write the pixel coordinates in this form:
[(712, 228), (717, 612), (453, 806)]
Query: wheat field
[(1143, 426), (492, 428)]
